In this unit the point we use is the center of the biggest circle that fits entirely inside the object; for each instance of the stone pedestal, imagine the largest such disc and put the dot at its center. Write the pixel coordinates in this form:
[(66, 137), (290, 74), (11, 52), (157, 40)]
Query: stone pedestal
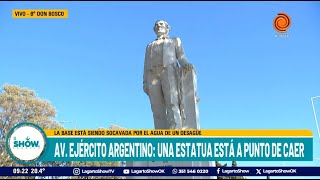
[(188, 97)]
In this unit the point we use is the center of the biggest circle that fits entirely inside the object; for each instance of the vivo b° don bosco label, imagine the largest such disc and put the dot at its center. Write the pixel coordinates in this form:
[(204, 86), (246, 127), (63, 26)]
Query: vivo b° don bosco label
[(40, 13)]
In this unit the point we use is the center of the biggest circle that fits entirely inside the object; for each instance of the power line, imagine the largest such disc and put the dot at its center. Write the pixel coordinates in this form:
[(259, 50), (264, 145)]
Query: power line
[(315, 114)]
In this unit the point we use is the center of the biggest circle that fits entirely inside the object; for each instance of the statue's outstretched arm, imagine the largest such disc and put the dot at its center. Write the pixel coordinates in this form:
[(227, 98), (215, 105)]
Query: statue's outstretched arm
[(182, 58)]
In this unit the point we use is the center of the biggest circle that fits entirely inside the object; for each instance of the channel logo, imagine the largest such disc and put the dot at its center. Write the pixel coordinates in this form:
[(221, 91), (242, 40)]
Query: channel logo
[(26, 142), (282, 22)]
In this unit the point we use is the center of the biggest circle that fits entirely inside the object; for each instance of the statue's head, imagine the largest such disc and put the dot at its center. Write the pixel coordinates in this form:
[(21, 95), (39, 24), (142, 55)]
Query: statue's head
[(161, 27)]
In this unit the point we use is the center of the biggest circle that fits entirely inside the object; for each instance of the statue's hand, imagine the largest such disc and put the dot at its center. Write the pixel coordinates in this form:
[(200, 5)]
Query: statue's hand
[(145, 88), (188, 67)]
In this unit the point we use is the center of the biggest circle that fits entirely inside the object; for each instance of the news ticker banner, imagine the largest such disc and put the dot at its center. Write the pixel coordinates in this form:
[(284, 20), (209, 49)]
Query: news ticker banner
[(40, 13), (27, 143), (159, 171)]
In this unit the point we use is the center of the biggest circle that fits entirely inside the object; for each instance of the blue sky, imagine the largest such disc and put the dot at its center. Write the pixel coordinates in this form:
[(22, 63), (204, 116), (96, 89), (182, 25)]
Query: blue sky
[(90, 65)]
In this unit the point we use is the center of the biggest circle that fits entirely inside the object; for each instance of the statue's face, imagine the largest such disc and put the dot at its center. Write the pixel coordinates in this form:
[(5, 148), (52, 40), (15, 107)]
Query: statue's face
[(161, 28)]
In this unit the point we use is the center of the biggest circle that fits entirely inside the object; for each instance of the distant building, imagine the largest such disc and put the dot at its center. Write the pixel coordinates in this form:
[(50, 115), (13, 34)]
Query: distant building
[(115, 127)]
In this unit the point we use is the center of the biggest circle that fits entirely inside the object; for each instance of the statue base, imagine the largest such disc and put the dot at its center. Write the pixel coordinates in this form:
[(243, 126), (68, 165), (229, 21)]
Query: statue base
[(188, 98)]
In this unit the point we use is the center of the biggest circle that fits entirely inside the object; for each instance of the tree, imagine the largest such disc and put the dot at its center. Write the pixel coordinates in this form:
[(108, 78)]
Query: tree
[(23, 105), (234, 164)]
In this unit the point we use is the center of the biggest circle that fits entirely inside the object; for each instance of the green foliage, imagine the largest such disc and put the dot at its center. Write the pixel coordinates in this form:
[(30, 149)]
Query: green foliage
[(23, 105)]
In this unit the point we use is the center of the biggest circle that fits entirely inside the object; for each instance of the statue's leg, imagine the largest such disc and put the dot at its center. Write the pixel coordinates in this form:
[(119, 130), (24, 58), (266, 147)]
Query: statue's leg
[(157, 102), (170, 91)]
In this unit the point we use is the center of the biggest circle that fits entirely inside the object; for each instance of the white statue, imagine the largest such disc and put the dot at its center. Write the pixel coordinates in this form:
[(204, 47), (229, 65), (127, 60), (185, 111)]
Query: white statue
[(170, 82), (165, 70)]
